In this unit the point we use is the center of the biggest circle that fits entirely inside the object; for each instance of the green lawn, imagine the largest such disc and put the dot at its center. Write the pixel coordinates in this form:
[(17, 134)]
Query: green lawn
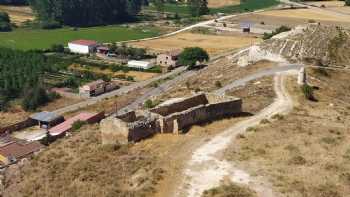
[(26, 39), (247, 5)]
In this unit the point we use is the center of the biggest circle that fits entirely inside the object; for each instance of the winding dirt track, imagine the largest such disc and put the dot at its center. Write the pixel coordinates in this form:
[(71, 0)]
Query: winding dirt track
[(207, 168)]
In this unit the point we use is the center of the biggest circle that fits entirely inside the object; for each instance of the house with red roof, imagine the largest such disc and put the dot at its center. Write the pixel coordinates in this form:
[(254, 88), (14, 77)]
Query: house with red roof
[(82, 46)]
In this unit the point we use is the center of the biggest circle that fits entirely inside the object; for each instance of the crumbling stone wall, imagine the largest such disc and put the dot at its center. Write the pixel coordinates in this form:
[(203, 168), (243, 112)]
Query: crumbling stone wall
[(187, 103), (126, 128), (171, 118), (174, 123)]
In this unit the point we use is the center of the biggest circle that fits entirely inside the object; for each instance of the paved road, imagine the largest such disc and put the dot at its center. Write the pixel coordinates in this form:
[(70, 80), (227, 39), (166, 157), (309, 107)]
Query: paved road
[(121, 91)]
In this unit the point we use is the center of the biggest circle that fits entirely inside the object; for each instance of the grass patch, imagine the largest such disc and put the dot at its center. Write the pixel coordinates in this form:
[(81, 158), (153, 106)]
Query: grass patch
[(244, 6), (27, 39)]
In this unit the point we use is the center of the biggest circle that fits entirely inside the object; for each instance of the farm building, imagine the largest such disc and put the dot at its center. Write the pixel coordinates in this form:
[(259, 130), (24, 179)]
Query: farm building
[(66, 126), (82, 46), (46, 119), (13, 150), (96, 88), (140, 64), (102, 50), (169, 60)]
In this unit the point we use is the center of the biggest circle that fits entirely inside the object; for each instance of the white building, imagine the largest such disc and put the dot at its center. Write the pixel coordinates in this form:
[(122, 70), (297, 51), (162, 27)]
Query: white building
[(82, 46), (140, 64)]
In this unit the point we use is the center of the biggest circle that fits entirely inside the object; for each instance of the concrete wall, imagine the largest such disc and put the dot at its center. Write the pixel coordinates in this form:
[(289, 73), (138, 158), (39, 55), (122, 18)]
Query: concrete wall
[(187, 103)]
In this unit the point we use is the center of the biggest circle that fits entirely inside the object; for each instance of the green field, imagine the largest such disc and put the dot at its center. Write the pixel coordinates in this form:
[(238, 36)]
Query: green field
[(248, 5), (26, 39)]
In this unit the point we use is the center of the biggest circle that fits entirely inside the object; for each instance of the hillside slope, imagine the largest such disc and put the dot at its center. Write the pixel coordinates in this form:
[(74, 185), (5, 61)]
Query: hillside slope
[(329, 44)]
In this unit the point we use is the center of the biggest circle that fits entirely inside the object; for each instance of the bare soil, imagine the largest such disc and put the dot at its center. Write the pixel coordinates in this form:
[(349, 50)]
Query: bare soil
[(215, 76), (18, 14), (305, 153), (213, 44)]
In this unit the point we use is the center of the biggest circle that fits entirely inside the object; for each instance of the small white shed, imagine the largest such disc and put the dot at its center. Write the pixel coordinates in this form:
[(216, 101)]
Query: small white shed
[(82, 46), (140, 64)]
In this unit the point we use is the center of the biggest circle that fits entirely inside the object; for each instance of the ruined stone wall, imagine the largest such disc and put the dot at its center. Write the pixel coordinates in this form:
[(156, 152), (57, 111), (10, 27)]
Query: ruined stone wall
[(196, 100), (114, 130), (200, 114), (143, 129), (128, 116)]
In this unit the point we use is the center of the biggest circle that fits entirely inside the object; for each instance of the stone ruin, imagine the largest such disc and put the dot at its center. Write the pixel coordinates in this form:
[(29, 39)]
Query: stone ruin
[(172, 116)]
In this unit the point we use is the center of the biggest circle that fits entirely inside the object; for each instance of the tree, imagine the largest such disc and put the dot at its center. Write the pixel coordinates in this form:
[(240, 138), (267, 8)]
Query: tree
[(159, 5), (347, 2), (59, 48), (34, 97), (198, 7), (190, 56), (5, 23), (85, 12)]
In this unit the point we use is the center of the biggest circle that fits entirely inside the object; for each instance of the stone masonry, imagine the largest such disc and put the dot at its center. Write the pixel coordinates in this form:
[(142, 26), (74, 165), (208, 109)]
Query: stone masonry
[(171, 117)]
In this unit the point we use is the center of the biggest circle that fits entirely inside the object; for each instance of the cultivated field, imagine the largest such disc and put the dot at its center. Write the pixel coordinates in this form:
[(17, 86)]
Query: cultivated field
[(337, 6), (41, 39), (306, 14), (221, 3), (18, 14), (214, 44)]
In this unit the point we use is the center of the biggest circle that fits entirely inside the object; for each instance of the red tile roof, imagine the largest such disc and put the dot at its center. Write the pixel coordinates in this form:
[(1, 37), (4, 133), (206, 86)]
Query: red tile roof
[(67, 125), (84, 42)]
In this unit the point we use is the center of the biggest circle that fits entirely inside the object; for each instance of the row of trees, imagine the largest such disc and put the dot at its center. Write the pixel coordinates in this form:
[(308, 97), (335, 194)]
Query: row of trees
[(196, 7), (20, 77), (85, 12), (5, 23), (13, 2)]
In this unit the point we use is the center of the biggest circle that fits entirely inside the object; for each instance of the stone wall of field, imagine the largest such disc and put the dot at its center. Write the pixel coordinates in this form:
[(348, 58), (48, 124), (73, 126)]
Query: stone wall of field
[(176, 122), (187, 103)]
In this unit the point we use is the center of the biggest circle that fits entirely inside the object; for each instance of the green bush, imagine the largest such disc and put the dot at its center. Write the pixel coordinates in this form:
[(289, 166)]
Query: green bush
[(150, 104), (308, 92), (78, 124), (59, 48), (277, 31)]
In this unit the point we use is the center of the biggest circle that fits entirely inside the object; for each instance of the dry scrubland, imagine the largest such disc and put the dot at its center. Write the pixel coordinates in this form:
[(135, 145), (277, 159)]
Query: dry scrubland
[(80, 166), (337, 6), (216, 75), (214, 44), (18, 14), (306, 153), (222, 3)]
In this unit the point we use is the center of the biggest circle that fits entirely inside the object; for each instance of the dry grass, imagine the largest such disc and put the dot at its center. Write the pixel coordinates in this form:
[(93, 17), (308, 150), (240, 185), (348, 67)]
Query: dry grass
[(306, 14), (81, 166), (18, 14), (214, 44), (256, 95), (222, 71), (222, 3), (305, 153), (230, 190)]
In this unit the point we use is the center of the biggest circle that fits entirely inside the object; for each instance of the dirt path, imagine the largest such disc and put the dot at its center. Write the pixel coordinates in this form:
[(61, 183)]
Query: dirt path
[(206, 169)]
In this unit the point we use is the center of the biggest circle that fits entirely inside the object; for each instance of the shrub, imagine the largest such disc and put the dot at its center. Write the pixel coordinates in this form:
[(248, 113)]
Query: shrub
[(59, 48), (276, 31), (218, 84), (150, 104), (308, 92), (78, 124), (230, 190), (190, 56), (50, 24), (297, 160)]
